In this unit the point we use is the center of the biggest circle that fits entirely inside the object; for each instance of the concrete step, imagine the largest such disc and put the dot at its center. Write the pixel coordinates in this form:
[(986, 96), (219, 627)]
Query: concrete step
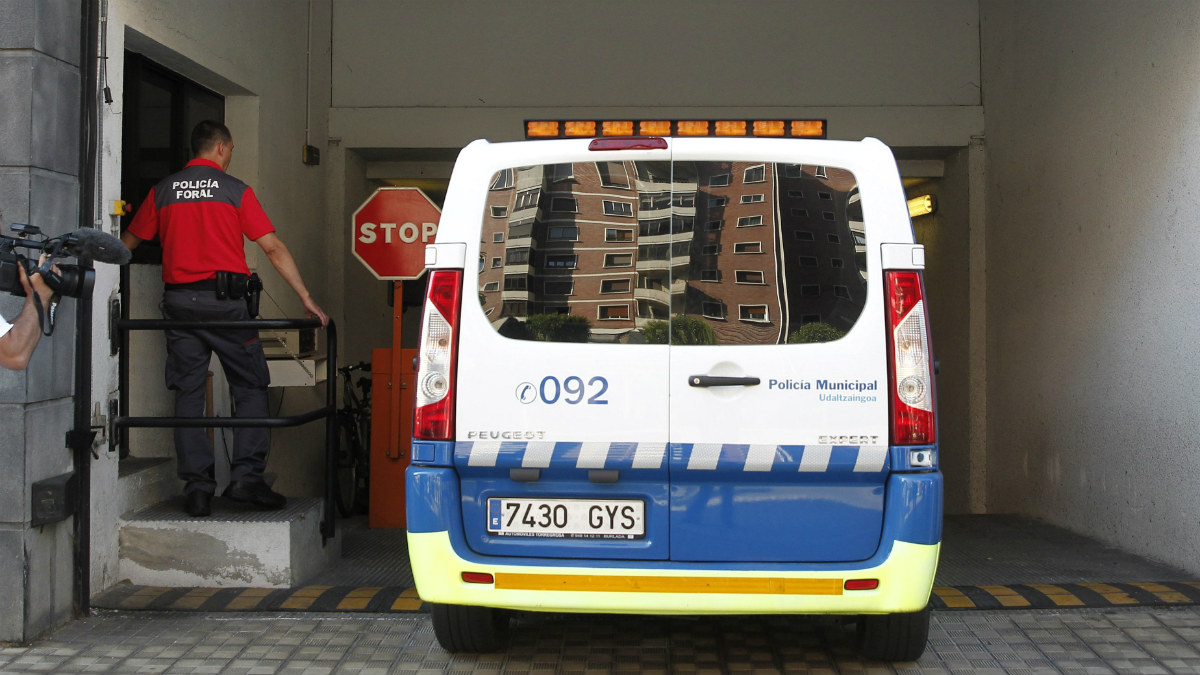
[(145, 482), (237, 546)]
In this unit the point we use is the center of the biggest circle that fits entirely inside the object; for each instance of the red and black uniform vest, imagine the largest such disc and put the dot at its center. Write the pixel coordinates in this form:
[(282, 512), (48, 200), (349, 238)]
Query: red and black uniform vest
[(200, 215)]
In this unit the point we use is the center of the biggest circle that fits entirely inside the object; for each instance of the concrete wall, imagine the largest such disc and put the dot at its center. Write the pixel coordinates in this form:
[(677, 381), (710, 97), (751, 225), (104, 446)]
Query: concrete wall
[(257, 55), (1092, 202), (40, 65), (946, 235), (427, 74)]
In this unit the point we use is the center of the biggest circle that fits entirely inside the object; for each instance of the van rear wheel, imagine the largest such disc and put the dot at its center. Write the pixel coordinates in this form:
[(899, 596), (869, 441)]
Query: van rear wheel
[(893, 637), (469, 629)]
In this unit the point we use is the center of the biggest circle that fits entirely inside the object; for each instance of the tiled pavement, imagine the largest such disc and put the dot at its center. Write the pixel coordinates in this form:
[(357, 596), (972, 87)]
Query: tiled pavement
[(1161, 640), (990, 553)]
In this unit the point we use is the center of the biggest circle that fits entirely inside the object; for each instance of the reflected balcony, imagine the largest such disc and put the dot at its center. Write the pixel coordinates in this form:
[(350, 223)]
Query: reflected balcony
[(650, 265), (665, 238), (659, 295)]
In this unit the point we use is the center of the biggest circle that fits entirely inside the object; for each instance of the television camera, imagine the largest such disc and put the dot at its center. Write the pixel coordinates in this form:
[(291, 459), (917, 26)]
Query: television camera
[(74, 281)]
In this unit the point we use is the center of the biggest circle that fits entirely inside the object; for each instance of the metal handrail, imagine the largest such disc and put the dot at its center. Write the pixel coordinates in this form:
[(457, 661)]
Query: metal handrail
[(329, 412)]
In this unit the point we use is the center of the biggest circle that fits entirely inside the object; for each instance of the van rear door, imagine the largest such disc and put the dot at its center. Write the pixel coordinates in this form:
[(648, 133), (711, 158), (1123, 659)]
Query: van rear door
[(562, 407), (778, 406)]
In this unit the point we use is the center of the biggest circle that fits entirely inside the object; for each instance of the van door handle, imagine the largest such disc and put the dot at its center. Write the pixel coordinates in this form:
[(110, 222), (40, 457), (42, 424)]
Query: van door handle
[(715, 381)]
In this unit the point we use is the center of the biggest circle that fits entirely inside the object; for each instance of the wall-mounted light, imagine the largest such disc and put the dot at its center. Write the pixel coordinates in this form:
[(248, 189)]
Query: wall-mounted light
[(921, 206)]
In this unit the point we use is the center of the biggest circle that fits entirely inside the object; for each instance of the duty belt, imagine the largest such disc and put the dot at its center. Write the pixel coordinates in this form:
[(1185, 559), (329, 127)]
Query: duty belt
[(202, 285)]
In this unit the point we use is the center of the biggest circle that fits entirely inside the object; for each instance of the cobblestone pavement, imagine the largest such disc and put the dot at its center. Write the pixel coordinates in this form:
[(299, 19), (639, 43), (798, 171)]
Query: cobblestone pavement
[(1134, 640)]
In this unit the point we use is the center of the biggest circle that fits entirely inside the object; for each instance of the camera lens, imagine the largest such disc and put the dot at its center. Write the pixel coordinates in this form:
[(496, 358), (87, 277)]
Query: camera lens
[(72, 281)]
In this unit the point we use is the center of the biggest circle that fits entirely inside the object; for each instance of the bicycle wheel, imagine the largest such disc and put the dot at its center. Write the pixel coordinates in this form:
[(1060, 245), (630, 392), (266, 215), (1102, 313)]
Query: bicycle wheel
[(362, 473), (346, 480)]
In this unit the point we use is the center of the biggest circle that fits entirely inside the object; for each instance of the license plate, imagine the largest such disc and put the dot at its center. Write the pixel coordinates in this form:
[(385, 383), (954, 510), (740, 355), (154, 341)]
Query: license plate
[(567, 518)]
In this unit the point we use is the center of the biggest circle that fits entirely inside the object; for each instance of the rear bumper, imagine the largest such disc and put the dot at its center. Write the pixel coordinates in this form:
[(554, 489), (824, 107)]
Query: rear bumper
[(905, 580), (904, 564)]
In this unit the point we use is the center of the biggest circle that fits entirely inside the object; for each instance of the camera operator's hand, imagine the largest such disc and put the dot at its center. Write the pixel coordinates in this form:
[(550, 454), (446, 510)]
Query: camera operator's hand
[(18, 342), (36, 283)]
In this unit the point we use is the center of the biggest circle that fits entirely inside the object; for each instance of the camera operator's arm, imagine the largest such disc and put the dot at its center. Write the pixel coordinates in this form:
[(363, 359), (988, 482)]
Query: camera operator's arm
[(283, 262), (16, 346)]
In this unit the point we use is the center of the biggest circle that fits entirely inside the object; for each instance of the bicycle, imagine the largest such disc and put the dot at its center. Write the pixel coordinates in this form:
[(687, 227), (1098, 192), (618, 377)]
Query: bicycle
[(354, 442)]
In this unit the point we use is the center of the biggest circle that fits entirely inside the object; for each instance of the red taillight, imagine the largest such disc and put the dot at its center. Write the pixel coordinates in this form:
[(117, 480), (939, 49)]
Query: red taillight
[(910, 361), (861, 584), (433, 417), (478, 578)]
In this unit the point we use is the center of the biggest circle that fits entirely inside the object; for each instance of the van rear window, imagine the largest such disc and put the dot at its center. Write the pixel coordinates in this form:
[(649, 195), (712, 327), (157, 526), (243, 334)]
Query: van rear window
[(611, 252)]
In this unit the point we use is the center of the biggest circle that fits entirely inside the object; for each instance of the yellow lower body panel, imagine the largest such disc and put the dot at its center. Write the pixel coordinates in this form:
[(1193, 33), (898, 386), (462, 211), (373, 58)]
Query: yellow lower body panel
[(905, 580)]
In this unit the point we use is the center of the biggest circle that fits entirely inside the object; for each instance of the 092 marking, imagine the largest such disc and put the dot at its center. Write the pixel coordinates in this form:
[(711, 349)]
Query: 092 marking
[(570, 390)]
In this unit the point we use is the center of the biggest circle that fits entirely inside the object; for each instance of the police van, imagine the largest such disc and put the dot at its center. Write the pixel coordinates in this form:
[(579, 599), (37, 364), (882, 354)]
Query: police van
[(676, 368)]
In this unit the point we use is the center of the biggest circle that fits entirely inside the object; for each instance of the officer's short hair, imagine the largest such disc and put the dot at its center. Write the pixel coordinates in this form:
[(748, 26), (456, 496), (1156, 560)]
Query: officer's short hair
[(207, 134)]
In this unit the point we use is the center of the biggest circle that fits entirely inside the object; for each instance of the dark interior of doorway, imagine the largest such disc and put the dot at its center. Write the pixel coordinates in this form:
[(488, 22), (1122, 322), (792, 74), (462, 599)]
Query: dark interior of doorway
[(160, 109)]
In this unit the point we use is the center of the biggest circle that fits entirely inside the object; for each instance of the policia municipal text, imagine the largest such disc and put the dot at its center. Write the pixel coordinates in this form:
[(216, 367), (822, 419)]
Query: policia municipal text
[(200, 215)]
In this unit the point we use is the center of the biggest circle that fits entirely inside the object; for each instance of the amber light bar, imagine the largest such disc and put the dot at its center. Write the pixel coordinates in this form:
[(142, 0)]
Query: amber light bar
[(539, 129)]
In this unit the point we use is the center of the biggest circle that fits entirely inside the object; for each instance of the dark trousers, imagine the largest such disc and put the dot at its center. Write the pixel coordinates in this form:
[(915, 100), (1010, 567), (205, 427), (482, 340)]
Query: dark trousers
[(241, 356)]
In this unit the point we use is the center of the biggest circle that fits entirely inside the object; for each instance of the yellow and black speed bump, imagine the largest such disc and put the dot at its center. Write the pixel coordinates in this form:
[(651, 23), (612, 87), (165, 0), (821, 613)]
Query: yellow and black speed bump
[(1066, 596), (402, 599), (302, 599)]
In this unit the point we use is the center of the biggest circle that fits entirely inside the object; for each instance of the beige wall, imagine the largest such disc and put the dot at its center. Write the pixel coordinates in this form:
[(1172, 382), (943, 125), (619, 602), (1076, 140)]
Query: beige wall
[(433, 74), (629, 53), (1092, 240), (255, 54)]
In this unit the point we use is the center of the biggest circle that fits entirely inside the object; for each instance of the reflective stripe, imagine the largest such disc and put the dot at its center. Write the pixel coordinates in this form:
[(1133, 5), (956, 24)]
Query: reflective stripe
[(815, 458), (704, 456), (538, 455), (726, 457), (870, 458), (760, 457), (628, 583), (482, 454), (649, 455), (592, 456)]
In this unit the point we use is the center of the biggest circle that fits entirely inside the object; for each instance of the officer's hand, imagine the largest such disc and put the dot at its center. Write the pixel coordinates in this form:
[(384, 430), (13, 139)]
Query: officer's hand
[(314, 310)]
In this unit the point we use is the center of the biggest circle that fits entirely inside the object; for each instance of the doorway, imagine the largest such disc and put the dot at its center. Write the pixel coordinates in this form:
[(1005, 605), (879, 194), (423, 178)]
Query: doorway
[(161, 108)]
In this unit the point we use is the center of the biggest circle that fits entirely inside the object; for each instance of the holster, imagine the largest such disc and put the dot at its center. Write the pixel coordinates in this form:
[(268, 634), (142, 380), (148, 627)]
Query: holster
[(231, 285), (253, 288)]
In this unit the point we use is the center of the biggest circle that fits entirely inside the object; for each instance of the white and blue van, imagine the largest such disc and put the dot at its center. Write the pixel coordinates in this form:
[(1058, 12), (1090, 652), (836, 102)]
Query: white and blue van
[(676, 375)]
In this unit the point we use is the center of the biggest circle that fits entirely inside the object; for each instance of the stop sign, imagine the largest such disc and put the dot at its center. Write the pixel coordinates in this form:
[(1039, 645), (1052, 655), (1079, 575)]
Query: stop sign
[(391, 229)]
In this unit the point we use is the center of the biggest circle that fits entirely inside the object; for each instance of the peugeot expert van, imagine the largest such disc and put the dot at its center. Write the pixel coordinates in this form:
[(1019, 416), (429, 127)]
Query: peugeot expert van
[(676, 375)]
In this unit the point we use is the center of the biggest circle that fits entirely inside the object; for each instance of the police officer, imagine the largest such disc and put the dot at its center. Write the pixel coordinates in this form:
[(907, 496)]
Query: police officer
[(201, 215)]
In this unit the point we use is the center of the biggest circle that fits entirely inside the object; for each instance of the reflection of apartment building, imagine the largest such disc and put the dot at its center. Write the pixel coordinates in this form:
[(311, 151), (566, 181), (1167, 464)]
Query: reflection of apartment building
[(756, 249), (734, 281), (774, 250), (562, 239), (822, 231)]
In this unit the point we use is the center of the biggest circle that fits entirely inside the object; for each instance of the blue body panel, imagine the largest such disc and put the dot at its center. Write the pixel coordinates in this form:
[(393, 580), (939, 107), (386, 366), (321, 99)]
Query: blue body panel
[(910, 504), (788, 503)]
